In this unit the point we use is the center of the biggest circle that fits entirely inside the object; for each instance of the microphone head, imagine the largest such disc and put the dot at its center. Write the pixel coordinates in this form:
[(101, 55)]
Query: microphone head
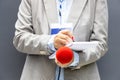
[(64, 55)]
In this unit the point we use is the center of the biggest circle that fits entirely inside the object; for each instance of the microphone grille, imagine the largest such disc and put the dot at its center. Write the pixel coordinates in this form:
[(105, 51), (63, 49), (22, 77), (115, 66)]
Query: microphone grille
[(64, 55)]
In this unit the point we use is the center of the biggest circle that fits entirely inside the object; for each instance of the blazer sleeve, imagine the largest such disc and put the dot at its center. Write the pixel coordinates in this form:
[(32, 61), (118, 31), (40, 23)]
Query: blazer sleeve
[(25, 39), (99, 34)]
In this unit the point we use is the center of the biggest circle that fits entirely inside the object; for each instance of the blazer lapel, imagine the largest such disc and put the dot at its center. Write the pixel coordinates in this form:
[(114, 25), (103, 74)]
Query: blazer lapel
[(76, 10), (51, 10)]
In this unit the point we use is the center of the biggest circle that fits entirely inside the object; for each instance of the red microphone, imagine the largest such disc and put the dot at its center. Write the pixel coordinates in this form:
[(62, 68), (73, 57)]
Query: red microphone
[(64, 55)]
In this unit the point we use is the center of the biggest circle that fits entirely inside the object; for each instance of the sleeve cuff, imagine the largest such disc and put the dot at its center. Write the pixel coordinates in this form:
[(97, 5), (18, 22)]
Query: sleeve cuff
[(76, 60), (51, 47)]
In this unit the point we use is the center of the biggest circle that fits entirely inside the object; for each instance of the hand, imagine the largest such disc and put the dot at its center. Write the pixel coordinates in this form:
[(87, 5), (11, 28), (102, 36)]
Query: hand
[(63, 65), (62, 38)]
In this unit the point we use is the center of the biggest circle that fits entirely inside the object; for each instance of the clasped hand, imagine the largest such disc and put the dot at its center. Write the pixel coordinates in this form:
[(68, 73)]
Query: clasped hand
[(61, 39)]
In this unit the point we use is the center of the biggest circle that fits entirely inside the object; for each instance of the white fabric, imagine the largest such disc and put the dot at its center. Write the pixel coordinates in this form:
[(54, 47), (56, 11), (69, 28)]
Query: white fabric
[(66, 5)]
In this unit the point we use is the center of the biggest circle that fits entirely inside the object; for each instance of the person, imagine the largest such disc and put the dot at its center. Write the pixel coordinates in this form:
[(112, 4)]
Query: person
[(33, 36)]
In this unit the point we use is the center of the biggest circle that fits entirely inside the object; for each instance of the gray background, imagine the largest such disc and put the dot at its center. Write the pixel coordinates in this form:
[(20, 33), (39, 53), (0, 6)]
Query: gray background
[(11, 61)]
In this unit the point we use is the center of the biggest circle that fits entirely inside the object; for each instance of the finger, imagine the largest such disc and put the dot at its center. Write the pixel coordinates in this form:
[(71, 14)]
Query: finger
[(65, 37), (61, 41), (57, 46), (66, 32), (60, 64)]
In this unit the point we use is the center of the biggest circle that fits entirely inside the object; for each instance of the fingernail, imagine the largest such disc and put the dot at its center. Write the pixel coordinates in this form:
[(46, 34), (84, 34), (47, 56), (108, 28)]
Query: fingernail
[(72, 38)]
